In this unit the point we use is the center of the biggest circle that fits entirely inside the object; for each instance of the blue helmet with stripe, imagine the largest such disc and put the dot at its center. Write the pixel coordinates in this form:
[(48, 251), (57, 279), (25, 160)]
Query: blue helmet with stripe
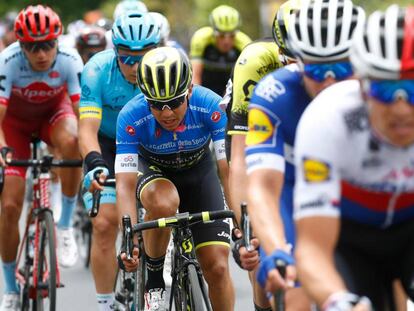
[(135, 31)]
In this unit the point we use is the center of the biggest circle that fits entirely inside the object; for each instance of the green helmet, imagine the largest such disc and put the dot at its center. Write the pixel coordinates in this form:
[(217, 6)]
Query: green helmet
[(224, 18), (281, 24)]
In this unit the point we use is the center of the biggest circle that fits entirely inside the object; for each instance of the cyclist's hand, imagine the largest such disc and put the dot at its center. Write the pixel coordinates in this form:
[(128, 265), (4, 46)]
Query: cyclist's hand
[(5, 154), (130, 265), (250, 259), (347, 301), (269, 277), (90, 181)]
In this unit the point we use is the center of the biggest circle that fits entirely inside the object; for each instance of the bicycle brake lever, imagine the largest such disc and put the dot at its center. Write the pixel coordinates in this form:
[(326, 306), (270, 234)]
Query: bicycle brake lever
[(127, 236), (279, 295), (247, 230), (96, 200)]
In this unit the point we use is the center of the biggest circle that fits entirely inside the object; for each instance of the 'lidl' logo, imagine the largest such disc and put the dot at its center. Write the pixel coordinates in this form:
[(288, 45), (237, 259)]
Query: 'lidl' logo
[(260, 127), (316, 170)]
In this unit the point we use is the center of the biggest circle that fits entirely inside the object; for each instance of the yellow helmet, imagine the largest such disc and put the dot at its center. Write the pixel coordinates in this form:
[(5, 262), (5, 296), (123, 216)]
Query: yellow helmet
[(281, 24), (224, 18), (164, 74)]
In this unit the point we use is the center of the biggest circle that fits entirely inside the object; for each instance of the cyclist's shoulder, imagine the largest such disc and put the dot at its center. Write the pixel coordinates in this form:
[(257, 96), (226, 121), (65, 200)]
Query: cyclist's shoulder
[(200, 40), (276, 89), (204, 97), (258, 58), (11, 55), (100, 65), (68, 54), (241, 40)]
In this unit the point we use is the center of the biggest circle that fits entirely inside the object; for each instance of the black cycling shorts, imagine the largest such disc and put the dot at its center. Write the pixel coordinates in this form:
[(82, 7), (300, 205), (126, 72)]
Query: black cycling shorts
[(369, 259), (199, 190)]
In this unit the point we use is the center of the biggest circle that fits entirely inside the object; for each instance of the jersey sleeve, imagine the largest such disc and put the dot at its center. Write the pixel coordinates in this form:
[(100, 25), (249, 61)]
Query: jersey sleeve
[(91, 97), (241, 40), (74, 77), (6, 78), (265, 138), (126, 160), (318, 144), (199, 41)]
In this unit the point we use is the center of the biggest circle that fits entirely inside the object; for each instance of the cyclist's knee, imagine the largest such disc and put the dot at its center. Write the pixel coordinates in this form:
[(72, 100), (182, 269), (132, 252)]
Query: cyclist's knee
[(11, 209), (217, 269), (104, 234), (161, 200)]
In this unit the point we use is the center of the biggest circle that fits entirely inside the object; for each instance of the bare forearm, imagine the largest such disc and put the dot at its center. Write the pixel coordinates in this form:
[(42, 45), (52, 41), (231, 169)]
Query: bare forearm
[(88, 141), (317, 273), (264, 213), (237, 186), (126, 203)]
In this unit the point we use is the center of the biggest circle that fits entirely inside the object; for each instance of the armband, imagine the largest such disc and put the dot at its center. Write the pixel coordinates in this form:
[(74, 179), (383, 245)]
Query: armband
[(94, 159)]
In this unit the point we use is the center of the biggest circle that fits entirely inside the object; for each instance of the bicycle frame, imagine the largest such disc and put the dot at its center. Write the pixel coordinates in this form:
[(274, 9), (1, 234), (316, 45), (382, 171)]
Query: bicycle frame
[(40, 204)]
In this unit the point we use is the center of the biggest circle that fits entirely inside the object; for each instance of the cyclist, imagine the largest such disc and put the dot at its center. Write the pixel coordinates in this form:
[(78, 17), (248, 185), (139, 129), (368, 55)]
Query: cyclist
[(164, 135), (274, 111), (123, 7), (39, 84), (214, 49), (90, 41), (108, 83), (256, 60), (165, 31), (8, 36), (354, 162)]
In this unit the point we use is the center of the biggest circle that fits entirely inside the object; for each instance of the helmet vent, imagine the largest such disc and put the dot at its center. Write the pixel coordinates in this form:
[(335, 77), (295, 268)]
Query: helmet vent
[(173, 77), (150, 30), (121, 31), (161, 81), (149, 80), (131, 31)]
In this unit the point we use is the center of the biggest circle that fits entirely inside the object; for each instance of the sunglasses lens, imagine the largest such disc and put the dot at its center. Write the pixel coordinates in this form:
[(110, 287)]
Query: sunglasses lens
[(129, 59), (320, 72), (390, 91), (37, 46), (172, 104)]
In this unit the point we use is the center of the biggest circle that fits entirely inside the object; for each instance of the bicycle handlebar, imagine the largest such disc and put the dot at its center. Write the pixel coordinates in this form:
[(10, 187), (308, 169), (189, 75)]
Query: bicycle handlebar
[(246, 227), (96, 196), (279, 295), (44, 162), (175, 220)]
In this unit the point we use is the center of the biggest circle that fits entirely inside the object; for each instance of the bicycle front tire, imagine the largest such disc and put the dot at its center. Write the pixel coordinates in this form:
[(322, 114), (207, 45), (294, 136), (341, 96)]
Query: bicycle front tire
[(46, 268), (196, 299)]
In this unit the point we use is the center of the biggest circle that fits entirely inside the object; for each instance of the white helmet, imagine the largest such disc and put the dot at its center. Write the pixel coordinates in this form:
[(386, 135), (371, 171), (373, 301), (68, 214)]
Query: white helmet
[(164, 25), (384, 48), (129, 5), (322, 29)]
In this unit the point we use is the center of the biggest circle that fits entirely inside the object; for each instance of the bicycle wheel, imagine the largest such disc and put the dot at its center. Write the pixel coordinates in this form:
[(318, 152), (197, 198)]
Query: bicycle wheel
[(197, 299), (140, 280), (46, 268)]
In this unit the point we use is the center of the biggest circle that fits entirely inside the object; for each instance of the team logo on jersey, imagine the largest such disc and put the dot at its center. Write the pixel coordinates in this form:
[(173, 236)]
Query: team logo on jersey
[(54, 74), (38, 92), (216, 116), (260, 127), (130, 130), (316, 170)]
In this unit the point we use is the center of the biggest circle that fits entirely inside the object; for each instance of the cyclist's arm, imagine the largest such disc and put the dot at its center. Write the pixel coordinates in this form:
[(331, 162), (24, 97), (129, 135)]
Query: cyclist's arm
[(198, 68), (126, 183), (3, 110), (263, 191), (237, 174), (88, 135), (223, 169), (317, 237)]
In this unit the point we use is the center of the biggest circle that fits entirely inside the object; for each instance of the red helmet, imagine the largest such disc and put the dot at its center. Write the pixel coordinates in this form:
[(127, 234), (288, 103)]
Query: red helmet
[(37, 23)]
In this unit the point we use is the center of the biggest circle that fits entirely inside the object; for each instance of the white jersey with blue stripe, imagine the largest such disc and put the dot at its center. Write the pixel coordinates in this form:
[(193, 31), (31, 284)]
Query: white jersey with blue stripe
[(344, 169), (138, 133), (104, 91)]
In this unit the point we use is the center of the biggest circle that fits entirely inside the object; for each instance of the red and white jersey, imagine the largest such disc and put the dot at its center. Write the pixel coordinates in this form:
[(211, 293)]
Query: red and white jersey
[(19, 82)]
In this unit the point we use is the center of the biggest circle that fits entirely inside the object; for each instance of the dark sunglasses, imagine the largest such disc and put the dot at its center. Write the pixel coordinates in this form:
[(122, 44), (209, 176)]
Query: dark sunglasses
[(170, 104), (34, 47), (130, 60), (321, 72), (388, 91)]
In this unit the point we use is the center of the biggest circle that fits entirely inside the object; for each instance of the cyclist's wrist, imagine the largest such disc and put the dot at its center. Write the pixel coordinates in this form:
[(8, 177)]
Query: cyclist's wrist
[(93, 160)]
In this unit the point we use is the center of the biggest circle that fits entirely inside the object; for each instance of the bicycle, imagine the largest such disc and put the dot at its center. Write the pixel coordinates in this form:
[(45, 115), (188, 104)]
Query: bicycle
[(39, 274), (188, 289)]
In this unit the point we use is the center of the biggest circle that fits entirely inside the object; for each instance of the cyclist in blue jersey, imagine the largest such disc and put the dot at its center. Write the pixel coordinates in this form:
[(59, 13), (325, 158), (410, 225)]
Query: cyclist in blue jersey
[(163, 135), (274, 111), (354, 190), (108, 83)]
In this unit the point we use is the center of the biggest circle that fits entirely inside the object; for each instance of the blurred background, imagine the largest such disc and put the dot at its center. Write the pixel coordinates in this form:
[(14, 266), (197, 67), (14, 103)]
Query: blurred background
[(185, 16)]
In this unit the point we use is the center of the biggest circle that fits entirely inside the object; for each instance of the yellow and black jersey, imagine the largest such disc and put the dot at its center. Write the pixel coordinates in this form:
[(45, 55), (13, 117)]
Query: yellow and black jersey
[(217, 65), (257, 59)]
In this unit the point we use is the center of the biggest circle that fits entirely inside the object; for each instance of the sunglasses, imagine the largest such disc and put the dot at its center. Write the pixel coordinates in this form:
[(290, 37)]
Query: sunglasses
[(130, 60), (388, 91), (171, 104), (223, 35), (321, 72), (34, 47)]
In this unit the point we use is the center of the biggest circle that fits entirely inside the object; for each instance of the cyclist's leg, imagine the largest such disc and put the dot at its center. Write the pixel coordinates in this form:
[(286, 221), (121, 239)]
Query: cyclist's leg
[(201, 191), (105, 229), (17, 137), (61, 132), (159, 197)]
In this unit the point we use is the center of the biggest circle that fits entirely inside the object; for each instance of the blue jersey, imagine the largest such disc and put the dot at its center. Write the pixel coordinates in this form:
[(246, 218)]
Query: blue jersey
[(276, 106), (104, 91), (138, 133)]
